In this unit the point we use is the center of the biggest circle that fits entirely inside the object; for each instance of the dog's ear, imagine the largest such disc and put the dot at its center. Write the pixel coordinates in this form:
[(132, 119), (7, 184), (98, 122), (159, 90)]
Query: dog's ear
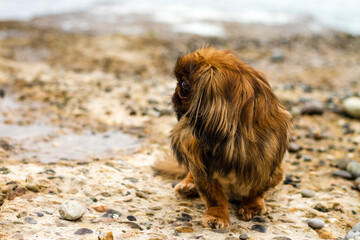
[(210, 112)]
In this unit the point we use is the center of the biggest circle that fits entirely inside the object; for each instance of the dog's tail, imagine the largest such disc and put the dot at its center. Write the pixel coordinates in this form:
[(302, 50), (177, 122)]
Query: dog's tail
[(169, 168)]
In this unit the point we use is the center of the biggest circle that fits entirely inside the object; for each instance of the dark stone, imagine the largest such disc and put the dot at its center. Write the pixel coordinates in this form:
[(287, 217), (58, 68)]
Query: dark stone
[(30, 220), (277, 56), (6, 146), (2, 93), (39, 214), (111, 213), (83, 231), (307, 158), (131, 218), (298, 156), (259, 228), (259, 220), (184, 217), (289, 181), (133, 225)]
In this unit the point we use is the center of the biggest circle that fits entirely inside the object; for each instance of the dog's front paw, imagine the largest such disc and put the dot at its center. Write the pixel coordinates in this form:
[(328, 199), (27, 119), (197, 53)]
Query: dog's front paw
[(186, 189), (215, 222), (247, 212)]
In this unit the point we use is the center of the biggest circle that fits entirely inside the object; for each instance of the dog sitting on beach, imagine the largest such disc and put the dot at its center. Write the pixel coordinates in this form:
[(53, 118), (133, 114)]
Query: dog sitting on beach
[(231, 135)]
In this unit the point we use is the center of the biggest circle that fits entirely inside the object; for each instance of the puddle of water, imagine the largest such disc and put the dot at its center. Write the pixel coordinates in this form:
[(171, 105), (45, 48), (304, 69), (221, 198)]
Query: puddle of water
[(48, 144), (81, 147)]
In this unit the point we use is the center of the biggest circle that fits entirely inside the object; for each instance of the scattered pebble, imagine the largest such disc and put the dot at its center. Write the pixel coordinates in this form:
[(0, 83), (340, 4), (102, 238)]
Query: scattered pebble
[(342, 163), (83, 231), (277, 56), (281, 238), (307, 158), (354, 233), (100, 208), (131, 218), (39, 214), (259, 219), (312, 108), (259, 228), (141, 195), (352, 106), (343, 174), (30, 220), (106, 236), (293, 147), (184, 217), (111, 213), (354, 168), (243, 236), (71, 210), (316, 223), (357, 181), (33, 188), (2, 93), (306, 193), (155, 208), (133, 225)]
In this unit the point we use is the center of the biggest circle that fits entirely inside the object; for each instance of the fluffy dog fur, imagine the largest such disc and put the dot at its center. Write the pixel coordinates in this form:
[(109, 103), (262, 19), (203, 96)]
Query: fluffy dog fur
[(231, 135)]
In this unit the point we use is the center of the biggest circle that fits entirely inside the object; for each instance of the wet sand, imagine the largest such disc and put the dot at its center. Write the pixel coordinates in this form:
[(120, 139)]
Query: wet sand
[(85, 114)]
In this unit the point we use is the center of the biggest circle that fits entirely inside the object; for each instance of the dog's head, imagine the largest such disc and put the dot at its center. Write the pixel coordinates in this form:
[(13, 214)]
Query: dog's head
[(219, 94)]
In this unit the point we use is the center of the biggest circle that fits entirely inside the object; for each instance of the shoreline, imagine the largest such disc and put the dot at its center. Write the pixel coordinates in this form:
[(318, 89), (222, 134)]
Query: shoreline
[(104, 82)]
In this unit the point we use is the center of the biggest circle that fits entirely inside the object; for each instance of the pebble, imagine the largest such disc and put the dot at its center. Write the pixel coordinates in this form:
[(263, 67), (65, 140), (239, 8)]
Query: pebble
[(111, 213), (131, 218), (352, 106), (312, 108), (100, 208), (39, 214), (354, 168), (106, 236), (277, 56), (2, 93), (184, 229), (293, 147), (307, 158), (357, 181), (306, 193), (243, 236), (259, 219), (30, 220), (155, 208), (343, 174), (354, 233), (259, 228), (342, 163), (141, 195), (83, 231), (33, 188), (132, 225), (184, 217), (281, 238), (71, 210), (316, 223)]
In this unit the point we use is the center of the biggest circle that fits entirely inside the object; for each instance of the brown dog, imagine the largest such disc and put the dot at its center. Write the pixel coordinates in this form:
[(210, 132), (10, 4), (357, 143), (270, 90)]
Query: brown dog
[(231, 135)]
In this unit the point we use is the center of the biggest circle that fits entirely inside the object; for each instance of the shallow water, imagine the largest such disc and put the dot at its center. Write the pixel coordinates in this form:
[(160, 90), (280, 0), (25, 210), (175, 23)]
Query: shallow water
[(336, 14)]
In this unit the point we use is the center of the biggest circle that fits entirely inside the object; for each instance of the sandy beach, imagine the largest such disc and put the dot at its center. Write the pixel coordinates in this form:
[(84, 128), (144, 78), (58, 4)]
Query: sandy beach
[(84, 114)]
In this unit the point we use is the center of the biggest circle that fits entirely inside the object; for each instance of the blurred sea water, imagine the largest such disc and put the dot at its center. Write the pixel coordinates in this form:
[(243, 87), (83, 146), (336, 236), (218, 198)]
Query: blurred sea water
[(343, 15)]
